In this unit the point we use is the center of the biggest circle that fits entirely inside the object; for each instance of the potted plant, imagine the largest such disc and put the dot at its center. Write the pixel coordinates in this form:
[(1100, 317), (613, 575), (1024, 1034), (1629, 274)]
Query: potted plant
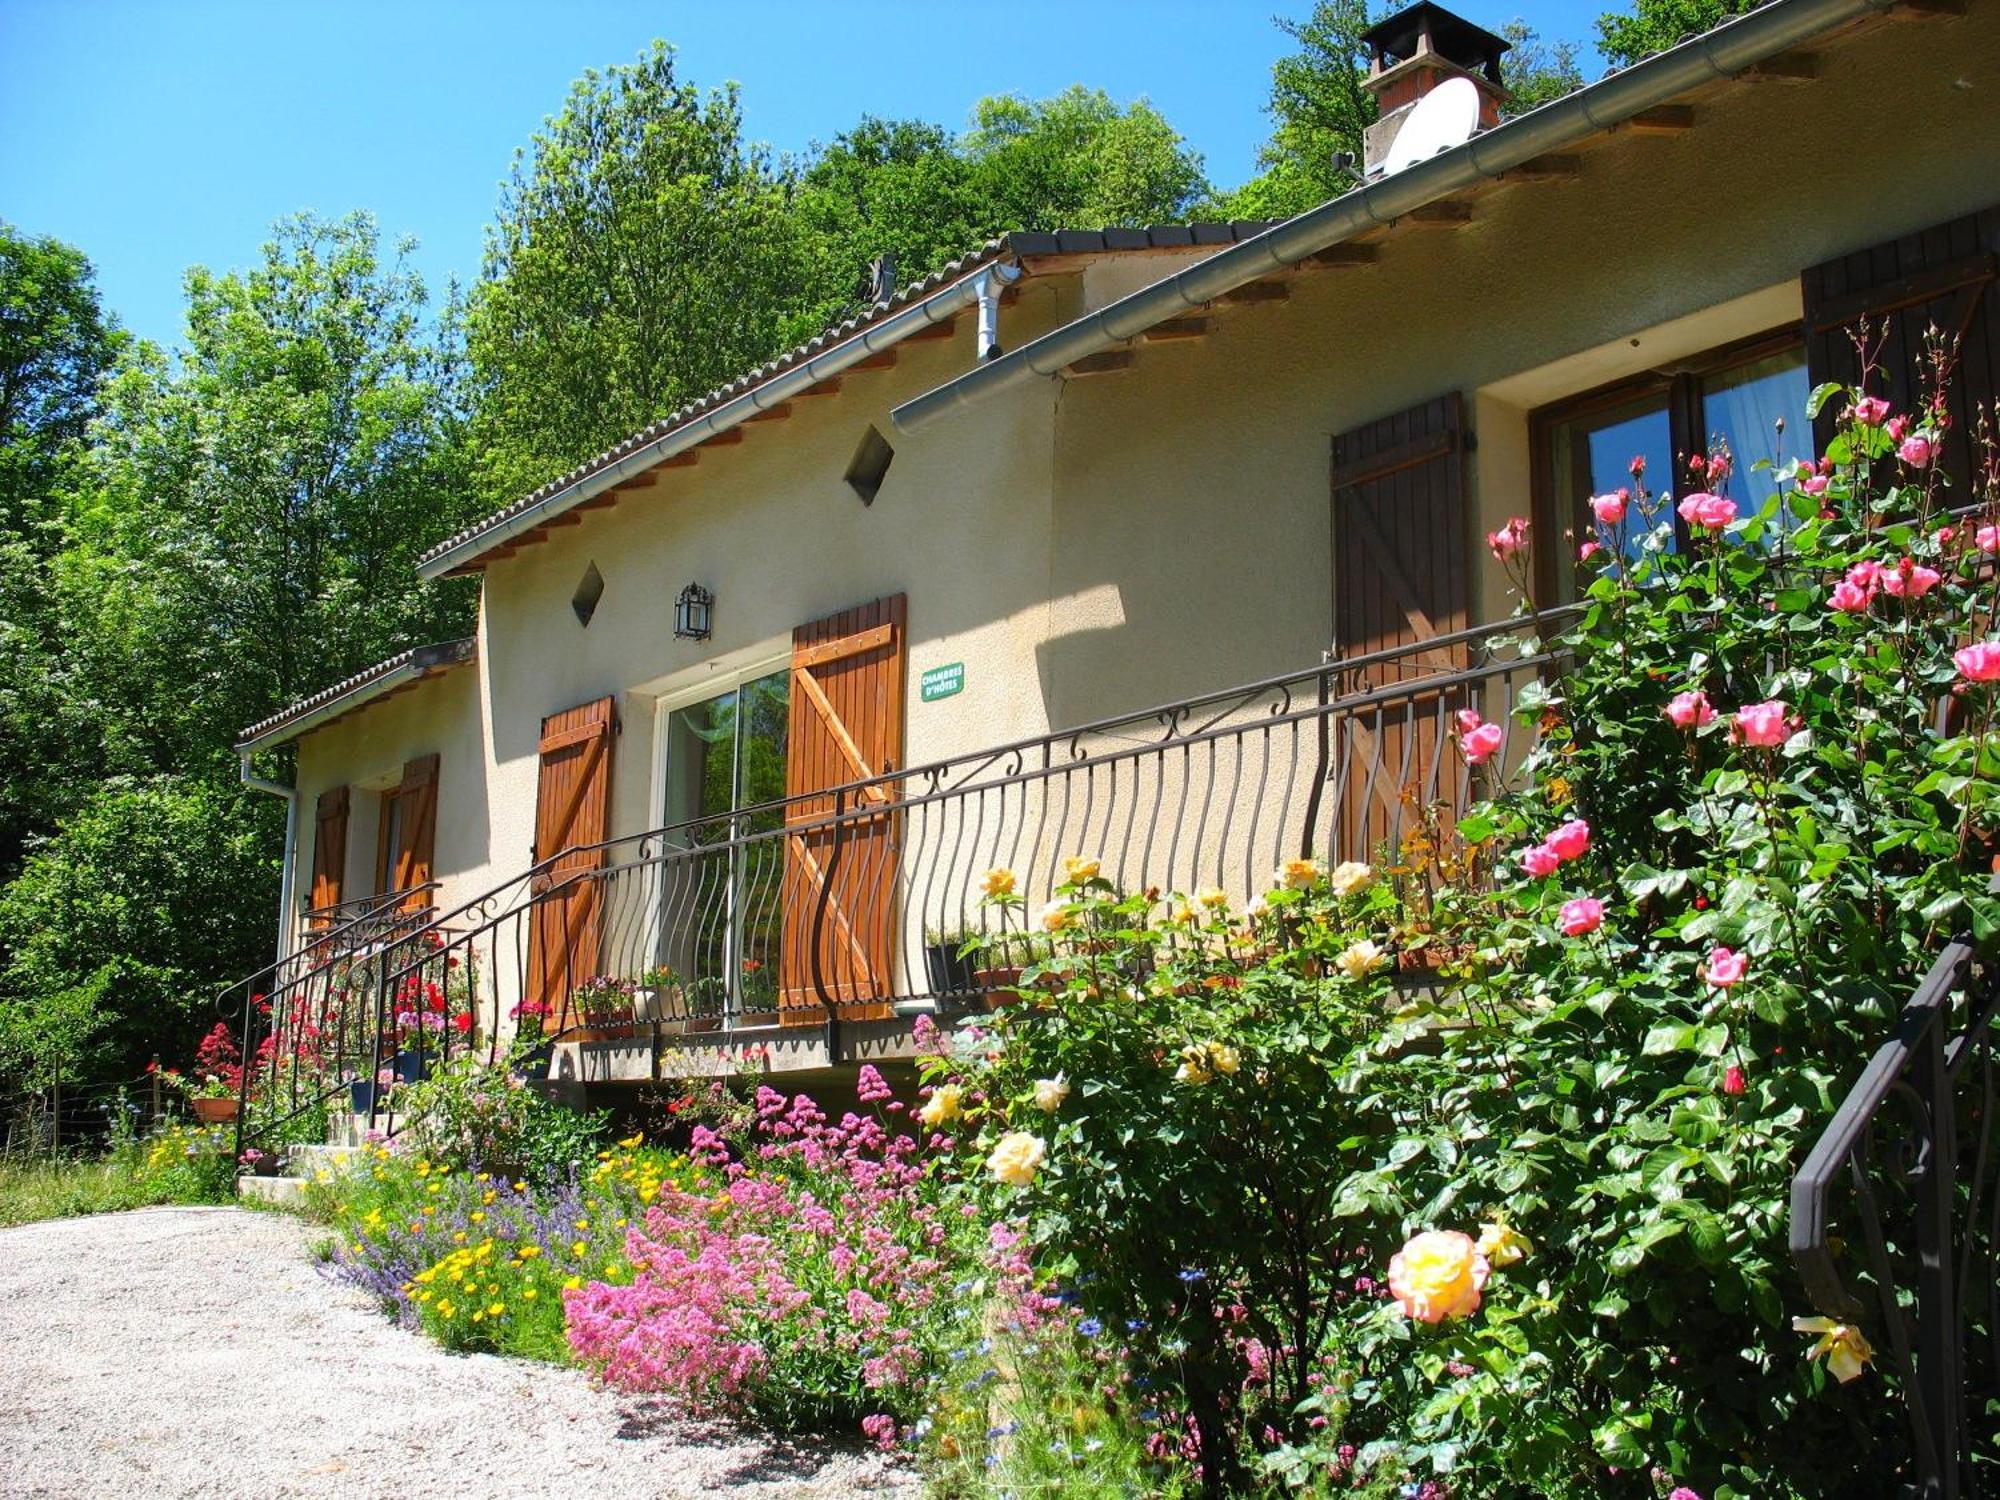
[(215, 1086), (756, 990), (657, 996), (604, 1005), (1001, 961), (948, 958), (704, 1002), (534, 1050)]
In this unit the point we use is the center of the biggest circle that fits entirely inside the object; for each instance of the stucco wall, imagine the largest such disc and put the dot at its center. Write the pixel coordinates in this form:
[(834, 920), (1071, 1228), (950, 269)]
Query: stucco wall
[(367, 750), (1099, 546)]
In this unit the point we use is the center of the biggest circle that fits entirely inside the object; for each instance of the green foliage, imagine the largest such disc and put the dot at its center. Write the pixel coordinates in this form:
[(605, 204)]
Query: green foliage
[(1597, 1087), (1537, 71), (1654, 25), (470, 1113), (180, 1164), (120, 926), (1319, 112)]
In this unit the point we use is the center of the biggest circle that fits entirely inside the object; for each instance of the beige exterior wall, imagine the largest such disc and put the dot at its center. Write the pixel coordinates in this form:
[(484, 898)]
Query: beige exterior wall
[(1098, 546)]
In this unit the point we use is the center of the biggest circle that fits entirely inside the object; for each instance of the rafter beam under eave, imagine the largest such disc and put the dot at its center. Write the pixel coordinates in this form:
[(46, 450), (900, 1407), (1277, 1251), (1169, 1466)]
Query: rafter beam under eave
[(1108, 363), (1662, 119), (1176, 328)]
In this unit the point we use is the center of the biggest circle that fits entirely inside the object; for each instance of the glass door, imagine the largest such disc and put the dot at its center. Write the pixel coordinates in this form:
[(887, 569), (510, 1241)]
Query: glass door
[(723, 910)]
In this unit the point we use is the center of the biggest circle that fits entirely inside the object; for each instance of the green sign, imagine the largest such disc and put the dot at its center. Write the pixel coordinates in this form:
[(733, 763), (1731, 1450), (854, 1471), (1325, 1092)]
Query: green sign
[(941, 682)]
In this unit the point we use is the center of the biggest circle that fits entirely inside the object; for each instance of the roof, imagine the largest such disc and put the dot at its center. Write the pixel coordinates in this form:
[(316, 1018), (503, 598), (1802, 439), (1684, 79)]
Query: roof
[(1021, 247), (370, 685)]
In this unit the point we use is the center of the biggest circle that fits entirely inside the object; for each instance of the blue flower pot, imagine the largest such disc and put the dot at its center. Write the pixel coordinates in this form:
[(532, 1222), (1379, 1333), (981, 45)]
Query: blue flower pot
[(361, 1093), (412, 1067)]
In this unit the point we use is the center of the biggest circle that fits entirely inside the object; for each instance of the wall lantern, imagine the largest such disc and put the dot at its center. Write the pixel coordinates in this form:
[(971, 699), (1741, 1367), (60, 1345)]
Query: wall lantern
[(691, 613)]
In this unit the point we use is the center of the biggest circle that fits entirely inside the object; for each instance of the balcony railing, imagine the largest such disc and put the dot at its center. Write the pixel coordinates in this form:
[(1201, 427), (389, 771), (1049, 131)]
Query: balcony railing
[(1912, 1161), (847, 905)]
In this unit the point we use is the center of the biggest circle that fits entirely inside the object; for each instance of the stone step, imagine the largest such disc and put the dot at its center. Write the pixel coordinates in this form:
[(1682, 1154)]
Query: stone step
[(315, 1158), (286, 1192)]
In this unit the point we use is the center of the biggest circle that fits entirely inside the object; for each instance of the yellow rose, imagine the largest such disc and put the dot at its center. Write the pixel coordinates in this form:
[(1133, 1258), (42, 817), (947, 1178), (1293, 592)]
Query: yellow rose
[(942, 1105), (998, 881), (1502, 1244), (1056, 916), (1050, 1093), (1194, 1066), (1077, 869), (1015, 1158), (1351, 877), (1846, 1351), (1361, 959), (1213, 897), (1185, 913), (1223, 1058), (1298, 874), (1437, 1275)]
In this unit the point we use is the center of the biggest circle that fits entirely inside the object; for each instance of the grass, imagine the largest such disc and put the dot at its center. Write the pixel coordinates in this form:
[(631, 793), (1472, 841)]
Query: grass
[(179, 1165)]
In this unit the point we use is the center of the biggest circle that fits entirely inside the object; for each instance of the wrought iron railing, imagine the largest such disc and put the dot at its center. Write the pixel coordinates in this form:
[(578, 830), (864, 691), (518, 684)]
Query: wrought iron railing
[(1913, 1158), (845, 905)]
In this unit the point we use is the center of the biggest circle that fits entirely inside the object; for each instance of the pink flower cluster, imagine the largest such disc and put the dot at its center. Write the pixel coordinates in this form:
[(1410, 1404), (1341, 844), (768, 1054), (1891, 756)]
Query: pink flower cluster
[(1712, 512), (825, 1256), (1568, 842)]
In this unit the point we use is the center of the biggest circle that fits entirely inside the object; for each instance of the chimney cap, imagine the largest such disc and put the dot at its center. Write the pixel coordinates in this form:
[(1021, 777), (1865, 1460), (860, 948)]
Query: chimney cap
[(1400, 37)]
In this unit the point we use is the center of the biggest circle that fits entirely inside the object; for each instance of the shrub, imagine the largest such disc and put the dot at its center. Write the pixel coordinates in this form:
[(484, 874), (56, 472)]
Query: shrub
[(469, 1112), (1758, 801), (179, 1164)]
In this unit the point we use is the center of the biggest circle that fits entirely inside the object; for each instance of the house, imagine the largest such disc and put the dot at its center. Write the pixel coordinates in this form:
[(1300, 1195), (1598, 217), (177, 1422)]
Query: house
[(758, 696)]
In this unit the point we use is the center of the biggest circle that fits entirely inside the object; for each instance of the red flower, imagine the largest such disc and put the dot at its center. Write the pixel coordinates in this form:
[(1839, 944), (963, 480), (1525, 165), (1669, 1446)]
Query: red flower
[(462, 1022)]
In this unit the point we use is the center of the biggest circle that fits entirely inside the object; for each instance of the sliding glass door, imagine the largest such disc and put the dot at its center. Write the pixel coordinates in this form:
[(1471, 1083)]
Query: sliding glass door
[(723, 910)]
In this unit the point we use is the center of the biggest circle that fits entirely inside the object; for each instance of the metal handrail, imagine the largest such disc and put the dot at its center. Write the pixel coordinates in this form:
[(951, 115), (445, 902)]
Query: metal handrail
[(1902, 1130)]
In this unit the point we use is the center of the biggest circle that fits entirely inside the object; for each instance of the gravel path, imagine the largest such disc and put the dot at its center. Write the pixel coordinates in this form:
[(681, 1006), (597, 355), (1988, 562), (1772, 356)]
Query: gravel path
[(190, 1351)]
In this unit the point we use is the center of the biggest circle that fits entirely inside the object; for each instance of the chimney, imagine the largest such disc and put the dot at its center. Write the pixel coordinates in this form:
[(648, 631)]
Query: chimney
[(1411, 53)]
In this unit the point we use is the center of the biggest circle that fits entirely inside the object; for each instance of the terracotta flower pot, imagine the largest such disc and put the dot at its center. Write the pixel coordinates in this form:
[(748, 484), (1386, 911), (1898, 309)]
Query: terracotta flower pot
[(214, 1111)]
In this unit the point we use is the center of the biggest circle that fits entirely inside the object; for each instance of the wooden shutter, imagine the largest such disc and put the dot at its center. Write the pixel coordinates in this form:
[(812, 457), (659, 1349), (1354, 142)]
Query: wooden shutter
[(1401, 567), (1941, 276), (417, 830), (846, 724), (572, 811), (329, 865)]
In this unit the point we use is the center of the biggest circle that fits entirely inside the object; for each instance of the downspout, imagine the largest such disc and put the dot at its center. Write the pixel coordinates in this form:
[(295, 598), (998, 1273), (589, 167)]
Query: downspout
[(1720, 54), (285, 877)]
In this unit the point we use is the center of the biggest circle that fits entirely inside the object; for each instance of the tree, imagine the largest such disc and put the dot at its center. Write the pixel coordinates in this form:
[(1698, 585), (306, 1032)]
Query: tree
[(249, 519), (122, 929), (643, 255), (1079, 161), (55, 346), (1536, 71), (1653, 25)]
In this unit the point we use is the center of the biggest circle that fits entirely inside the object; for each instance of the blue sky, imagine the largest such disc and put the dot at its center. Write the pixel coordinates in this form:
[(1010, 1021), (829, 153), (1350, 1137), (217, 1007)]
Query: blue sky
[(156, 134)]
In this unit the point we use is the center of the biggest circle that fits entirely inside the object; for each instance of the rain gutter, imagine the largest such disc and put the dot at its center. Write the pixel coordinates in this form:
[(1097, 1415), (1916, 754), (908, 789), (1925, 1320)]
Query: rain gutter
[(1719, 54)]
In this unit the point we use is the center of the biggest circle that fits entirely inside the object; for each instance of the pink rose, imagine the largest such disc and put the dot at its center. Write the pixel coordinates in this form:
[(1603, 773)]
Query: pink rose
[(1540, 860), (1698, 463), (1509, 539), (1690, 710), (1587, 551), (1916, 450), (1763, 724), (1848, 597), (1711, 511), (1732, 1080), (1815, 484), (1909, 579), (1584, 914), (1725, 967), (1468, 720), (1719, 467), (1610, 509), (1987, 538), (1570, 840), (1869, 411), (1979, 662), (1896, 426), (1478, 746)]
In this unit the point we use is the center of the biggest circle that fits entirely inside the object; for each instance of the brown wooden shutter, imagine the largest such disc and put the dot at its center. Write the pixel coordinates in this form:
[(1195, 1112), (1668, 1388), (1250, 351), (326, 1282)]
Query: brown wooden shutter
[(846, 724), (572, 811), (1401, 575), (417, 830), (329, 866), (1940, 276)]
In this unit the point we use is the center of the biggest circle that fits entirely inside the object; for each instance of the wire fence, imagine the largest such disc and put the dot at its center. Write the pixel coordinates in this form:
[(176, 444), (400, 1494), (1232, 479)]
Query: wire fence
[(83, 1117)]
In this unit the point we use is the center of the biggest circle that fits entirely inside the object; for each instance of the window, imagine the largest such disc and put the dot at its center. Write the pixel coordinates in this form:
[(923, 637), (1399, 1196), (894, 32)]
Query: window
[(870, 466), (588, 591), (1730, 398), (725, 768), (388, 840)]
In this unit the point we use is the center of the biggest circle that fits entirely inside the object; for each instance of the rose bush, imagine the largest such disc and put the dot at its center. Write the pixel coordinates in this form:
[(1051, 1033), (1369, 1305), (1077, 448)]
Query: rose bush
[(1521, 1231)]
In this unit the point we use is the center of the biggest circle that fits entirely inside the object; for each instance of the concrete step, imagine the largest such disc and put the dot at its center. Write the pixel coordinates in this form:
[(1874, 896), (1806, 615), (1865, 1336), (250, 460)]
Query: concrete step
[(285, 1192), (306, 1160)]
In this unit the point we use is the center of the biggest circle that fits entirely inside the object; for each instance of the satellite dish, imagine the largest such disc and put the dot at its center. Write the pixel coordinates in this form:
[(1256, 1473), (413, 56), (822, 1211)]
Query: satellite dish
[(1443, 118)]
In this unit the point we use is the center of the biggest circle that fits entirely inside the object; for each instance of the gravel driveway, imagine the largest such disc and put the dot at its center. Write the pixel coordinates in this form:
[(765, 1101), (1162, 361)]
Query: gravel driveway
[(192, 1351)]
